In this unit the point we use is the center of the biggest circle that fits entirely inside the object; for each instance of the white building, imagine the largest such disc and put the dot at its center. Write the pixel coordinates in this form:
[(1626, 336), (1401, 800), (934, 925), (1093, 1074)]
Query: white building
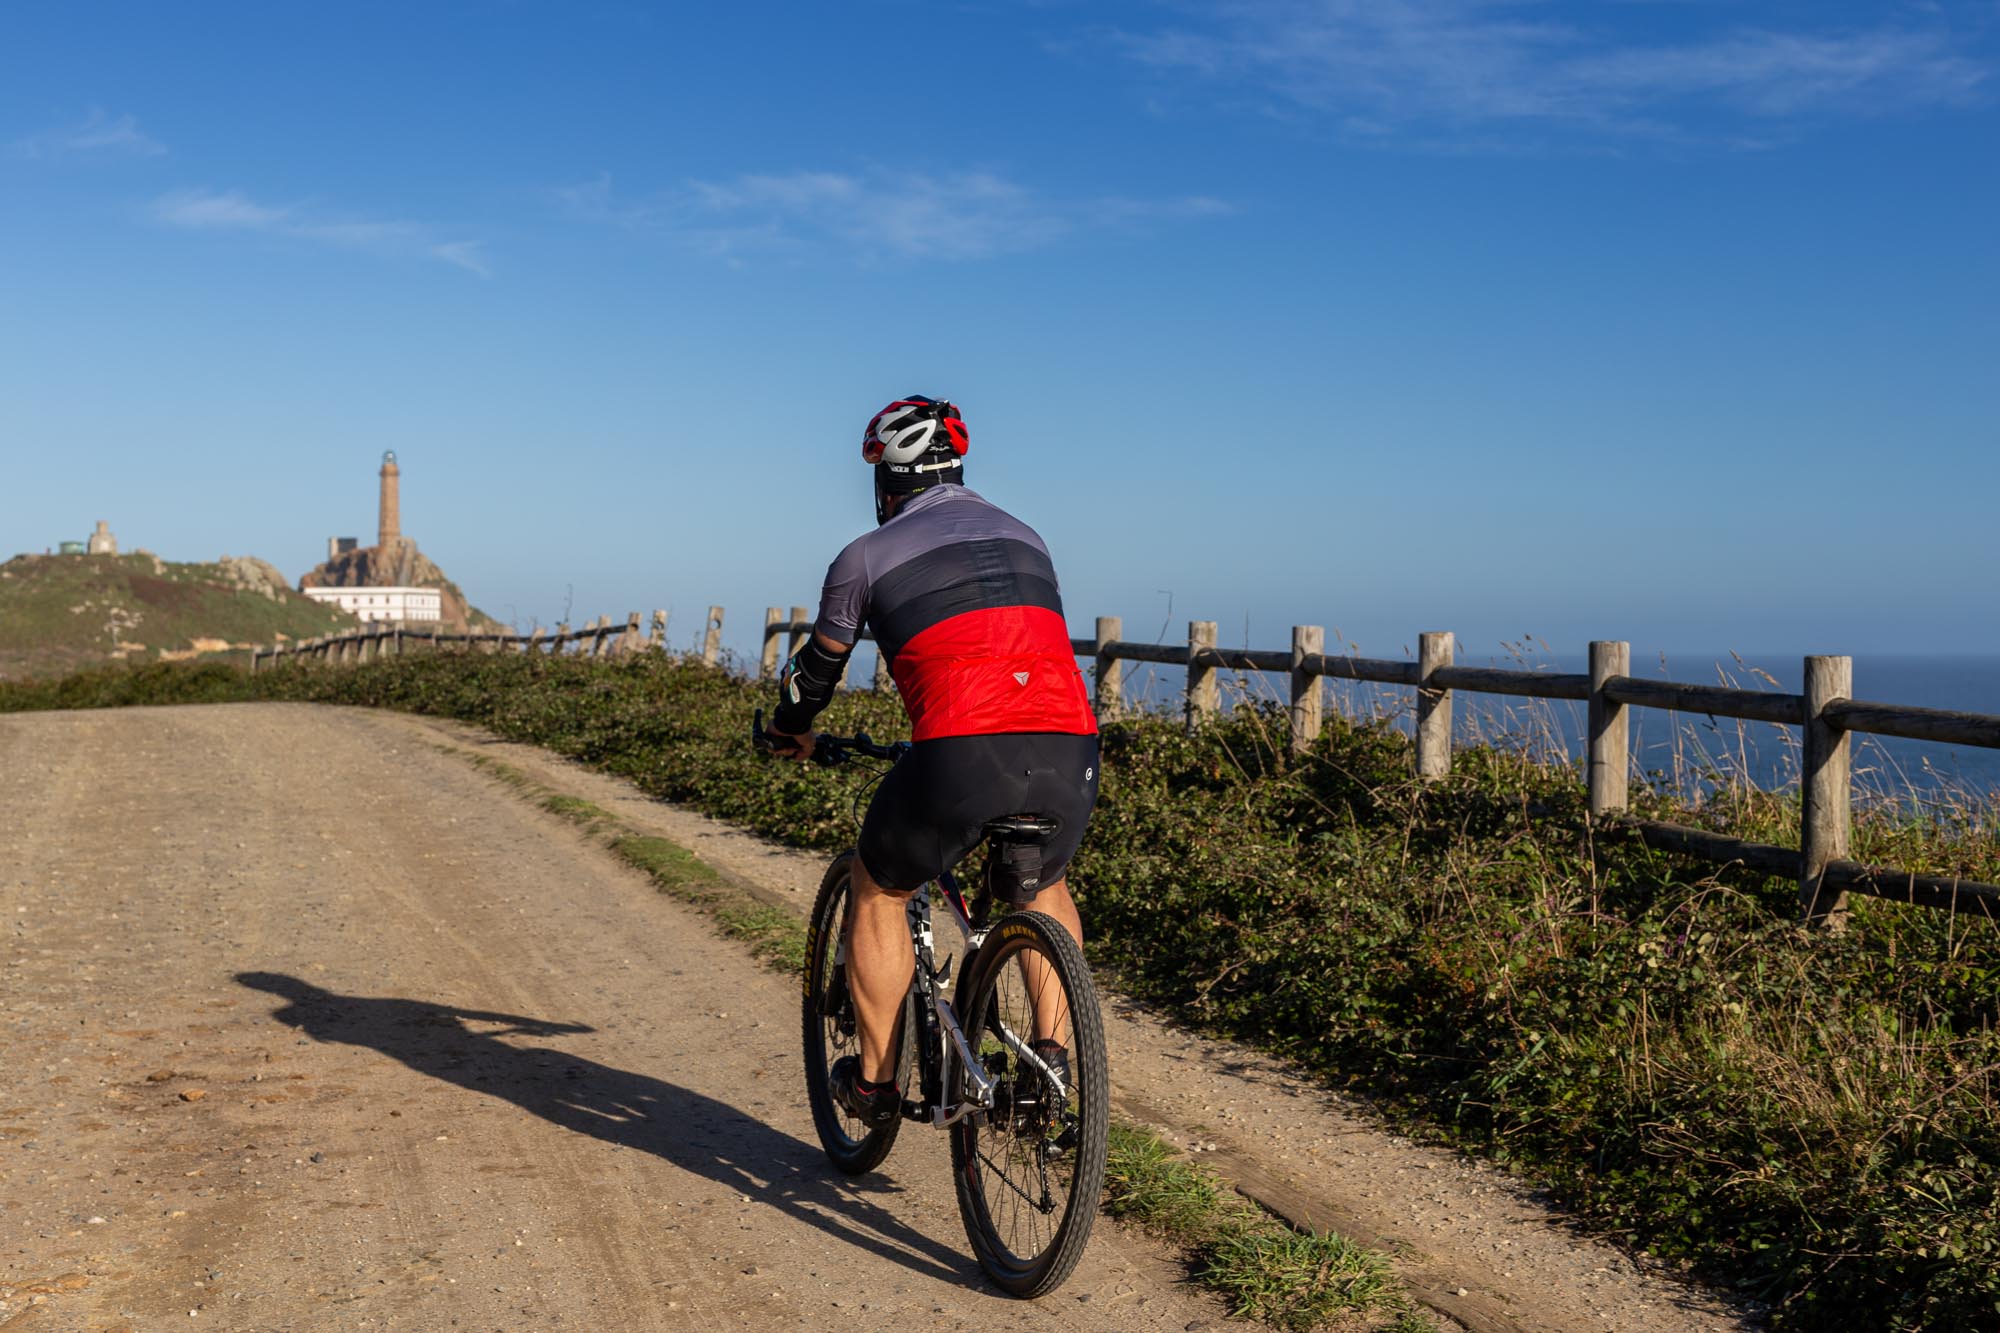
[(405, 604)]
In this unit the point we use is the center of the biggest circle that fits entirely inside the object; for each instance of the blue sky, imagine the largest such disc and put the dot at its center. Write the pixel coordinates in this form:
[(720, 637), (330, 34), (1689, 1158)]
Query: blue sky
[(1672, 321)]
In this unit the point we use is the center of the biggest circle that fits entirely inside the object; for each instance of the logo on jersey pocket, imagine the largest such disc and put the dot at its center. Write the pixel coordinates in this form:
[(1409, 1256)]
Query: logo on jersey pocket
[(1020, 678)]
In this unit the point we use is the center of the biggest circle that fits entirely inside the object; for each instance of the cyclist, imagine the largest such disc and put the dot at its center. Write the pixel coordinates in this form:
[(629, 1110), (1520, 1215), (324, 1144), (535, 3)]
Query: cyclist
[(962, 600)]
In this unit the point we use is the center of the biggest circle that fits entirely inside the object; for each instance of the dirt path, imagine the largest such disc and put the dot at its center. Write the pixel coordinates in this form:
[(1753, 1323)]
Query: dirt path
[(305, 1025), (1473, 1243)]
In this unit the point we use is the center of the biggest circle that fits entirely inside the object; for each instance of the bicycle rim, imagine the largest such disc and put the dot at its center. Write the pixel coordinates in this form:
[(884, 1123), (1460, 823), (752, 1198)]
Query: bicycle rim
[(830, 1030), (1029, 1171)]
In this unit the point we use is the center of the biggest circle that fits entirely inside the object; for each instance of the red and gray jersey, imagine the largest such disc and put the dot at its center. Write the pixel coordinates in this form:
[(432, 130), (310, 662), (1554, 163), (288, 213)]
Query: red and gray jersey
[(962, 599)]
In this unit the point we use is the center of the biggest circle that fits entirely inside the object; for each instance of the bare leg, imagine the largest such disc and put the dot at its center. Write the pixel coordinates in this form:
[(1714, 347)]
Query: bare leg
[(880, 964), (1052, 1018)]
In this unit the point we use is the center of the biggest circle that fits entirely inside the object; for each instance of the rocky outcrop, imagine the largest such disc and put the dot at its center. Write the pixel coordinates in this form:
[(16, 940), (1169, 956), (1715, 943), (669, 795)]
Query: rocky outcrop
[(399, 564), (249, 574)]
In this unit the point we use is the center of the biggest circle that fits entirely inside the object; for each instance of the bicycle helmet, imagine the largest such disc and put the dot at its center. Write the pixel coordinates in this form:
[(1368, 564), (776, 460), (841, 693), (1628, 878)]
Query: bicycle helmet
[(914, 443)]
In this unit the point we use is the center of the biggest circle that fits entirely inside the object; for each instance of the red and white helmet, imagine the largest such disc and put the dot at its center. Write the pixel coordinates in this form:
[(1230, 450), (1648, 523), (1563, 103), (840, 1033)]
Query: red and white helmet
[(909, 428)]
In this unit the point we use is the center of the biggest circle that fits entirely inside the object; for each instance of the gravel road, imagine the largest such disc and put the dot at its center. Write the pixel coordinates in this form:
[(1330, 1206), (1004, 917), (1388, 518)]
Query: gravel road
[(304, 1024)]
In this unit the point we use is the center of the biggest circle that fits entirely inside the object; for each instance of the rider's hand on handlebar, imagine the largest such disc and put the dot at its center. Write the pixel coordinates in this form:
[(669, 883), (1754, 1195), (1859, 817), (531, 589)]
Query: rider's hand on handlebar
[(787, 746)]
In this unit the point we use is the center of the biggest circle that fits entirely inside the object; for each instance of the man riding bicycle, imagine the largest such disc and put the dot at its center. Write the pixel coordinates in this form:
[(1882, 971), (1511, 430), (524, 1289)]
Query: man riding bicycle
[(963, 603)]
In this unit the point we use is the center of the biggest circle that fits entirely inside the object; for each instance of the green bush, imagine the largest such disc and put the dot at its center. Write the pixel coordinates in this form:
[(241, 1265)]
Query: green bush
[(1811, 1117)]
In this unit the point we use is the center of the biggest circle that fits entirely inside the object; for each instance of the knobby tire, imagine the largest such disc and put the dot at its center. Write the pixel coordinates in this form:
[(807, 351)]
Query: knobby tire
[(1004, 1169), (824, 1042)]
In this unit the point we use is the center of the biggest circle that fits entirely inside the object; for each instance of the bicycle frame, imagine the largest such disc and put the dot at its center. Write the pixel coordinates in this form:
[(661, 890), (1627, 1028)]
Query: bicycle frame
[(943, 1040)]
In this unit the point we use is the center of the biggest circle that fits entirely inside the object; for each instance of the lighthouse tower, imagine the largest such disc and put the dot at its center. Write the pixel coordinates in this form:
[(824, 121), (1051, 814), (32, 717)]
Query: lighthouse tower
[(391, 516)]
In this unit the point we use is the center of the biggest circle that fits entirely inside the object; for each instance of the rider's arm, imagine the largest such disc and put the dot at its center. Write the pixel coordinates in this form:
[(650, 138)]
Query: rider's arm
[(808, 682), (813, 673)]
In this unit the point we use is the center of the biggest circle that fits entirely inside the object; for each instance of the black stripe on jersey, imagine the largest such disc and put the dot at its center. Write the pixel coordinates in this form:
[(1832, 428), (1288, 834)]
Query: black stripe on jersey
[(946, 581)]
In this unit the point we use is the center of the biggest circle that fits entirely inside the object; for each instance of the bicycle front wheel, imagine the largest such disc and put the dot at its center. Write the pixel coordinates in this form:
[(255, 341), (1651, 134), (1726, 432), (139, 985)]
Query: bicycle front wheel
[(831, 1029), (1030, 1169)]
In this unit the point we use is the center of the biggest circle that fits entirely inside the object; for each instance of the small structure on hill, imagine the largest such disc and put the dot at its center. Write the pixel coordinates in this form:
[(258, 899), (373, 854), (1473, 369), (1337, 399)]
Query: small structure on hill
[(101, 541)]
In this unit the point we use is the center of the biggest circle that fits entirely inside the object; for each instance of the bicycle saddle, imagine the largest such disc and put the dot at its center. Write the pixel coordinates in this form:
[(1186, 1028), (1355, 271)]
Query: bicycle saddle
[(1022, 828)]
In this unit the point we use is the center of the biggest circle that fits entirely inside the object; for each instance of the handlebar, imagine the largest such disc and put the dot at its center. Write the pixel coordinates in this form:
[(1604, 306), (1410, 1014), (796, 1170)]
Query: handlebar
[(829, 751)]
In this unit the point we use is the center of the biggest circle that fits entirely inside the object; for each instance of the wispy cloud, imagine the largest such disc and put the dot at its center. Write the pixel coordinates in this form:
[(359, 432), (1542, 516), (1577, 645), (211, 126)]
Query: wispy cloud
[(871, 215), (230, 210), (97, 132), (1397, 68)]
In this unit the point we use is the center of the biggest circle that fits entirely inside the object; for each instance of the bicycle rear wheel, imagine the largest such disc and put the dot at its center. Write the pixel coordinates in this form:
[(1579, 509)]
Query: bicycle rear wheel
[(1029, 1171), (831, 1031)]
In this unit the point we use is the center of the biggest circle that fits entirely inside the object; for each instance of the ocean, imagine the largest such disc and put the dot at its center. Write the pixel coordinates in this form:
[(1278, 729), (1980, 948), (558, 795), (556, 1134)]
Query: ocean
[(1686, 747)]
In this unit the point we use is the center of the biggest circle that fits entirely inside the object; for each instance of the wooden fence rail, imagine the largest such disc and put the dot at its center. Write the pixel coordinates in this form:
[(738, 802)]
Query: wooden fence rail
[(1824, 712)]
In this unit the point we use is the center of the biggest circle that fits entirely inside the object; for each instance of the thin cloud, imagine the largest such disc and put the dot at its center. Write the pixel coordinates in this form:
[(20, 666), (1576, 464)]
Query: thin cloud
[(98, 132), (230, 210), (957, 216), (1397, 70)]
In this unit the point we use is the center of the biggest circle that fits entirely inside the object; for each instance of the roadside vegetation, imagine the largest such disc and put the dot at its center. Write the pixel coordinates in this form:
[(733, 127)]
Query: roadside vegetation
[(1810, 1118), (1266, 1270)]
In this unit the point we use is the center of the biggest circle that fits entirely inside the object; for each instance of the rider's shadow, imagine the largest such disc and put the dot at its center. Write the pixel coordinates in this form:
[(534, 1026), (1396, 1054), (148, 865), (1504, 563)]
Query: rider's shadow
[(696, 1133)]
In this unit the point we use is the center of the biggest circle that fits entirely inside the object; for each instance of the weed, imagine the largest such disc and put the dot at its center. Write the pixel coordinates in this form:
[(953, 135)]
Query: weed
[(1296, 1280)]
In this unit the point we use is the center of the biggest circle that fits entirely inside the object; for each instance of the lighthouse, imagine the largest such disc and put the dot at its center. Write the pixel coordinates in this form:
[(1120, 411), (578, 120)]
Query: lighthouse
[(391, 517)]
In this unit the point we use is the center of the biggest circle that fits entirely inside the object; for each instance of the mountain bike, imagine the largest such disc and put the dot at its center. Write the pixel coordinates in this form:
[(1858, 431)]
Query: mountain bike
[(1028, 1138)]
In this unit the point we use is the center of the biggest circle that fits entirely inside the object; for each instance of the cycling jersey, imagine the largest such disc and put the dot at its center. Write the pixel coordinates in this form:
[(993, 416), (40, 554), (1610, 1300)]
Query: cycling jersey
[(962, 600)]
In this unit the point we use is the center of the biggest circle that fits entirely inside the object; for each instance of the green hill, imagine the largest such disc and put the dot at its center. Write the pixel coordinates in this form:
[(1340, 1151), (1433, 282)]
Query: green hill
[(62, 612)]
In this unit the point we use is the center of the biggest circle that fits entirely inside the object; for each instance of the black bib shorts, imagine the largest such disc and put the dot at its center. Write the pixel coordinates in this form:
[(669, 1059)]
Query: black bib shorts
[(933, 806)]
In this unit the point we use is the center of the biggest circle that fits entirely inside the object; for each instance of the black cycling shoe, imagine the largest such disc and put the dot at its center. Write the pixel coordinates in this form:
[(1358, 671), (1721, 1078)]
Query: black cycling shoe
[(874, 1108), (1055, 1055)]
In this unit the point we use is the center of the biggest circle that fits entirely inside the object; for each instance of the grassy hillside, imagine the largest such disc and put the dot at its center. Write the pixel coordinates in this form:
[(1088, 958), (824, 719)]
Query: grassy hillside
[(60, 613), (1812, 1117)]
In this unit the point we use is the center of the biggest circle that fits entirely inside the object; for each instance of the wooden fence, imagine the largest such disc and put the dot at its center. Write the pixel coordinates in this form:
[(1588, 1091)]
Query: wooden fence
[(1824, 712), (600, 638)]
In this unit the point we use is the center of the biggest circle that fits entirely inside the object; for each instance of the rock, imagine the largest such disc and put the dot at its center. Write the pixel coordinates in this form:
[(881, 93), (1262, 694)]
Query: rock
[(159, 1076), (193, 1094)]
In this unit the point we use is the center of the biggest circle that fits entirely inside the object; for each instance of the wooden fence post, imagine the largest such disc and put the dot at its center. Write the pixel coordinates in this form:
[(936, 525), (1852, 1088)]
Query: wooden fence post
[(1308, 694), (657, 640), (1109, 671), (1201, 691), (883, 680), (767, 661), (798, 636), (535, 642), (1609, 762), (711, 641), (1433, 707), (1824, 810), (628, 642)]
